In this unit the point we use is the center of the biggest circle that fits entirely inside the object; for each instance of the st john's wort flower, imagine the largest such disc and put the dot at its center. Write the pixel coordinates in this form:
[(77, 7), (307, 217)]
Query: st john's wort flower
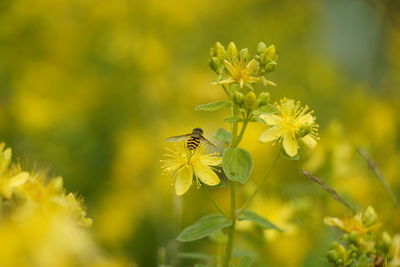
[(290, 123), (181, 165)]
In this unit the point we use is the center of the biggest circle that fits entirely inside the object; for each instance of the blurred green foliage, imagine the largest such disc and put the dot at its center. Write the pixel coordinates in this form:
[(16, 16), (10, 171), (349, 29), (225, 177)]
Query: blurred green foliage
[(91, 88)]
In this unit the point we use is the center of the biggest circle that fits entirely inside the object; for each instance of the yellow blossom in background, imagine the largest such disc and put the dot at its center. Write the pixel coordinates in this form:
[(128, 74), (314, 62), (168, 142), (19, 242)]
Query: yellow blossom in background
[(289, 123), (11, 176), (181, 164), (41, 224), (361, 223)]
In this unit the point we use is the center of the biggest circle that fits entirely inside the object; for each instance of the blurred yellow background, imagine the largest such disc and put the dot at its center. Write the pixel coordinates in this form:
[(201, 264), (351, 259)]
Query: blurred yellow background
[(91, 88)]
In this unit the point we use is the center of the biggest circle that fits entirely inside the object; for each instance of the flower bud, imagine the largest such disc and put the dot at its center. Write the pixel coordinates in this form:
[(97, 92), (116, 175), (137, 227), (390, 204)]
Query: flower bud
[(354, 237), (214, 64), (244, 55), (238, 98), (261, 47), (250, 102), (269, 67), (264, 98), (231, 51), (270, 52), (369, 217), (337, 254), (218, 51)]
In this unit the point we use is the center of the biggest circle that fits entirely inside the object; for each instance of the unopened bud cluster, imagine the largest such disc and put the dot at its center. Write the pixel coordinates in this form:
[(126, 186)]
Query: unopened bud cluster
[(361, 242), (250, 101), (235, 66)]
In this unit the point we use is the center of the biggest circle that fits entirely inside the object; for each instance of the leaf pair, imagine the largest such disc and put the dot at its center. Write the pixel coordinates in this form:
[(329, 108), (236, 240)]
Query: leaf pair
[(211, 223)]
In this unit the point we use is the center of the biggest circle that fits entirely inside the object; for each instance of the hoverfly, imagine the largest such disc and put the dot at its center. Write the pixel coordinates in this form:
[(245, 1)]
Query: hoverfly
[(193, 139)]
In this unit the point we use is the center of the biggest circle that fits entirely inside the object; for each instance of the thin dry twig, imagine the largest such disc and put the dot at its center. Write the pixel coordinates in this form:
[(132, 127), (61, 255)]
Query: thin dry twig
[(379, 175), (328, 189)]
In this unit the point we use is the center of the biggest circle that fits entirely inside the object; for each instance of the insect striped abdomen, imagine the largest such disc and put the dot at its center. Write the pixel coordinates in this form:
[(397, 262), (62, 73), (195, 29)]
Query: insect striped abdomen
[(193, 143)]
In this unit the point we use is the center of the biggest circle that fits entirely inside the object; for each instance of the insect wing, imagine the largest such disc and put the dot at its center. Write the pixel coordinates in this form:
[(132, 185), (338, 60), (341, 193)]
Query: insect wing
[(178, 138), (207, 142)]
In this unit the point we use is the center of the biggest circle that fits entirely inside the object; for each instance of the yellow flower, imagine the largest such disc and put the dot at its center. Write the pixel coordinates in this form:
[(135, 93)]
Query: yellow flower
[(361, 223), (289, 123), (11, 176), (241, 72), (180, 164)]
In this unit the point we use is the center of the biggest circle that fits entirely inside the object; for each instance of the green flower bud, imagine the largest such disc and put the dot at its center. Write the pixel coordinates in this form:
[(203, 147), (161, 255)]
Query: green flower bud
[(238, 98), (218, 51), (261, 47), (263, 98), (369, 217), (214, 64), (354, 237), (244, 55), (332, 256), (250, 102), (231, 51), (269, 67), (337, 254), (270, 52)]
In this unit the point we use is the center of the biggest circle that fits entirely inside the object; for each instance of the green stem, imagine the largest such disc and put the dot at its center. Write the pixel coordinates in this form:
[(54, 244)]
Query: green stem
[(226, 91), (234, 127), (268, 173), (242, 130), (213, 200), (231, 230)]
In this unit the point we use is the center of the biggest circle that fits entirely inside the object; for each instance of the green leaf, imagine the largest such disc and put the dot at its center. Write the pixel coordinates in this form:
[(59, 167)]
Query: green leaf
[(194, 255), (246, 261), (248, 215), (284, 155), (237, 164), (257, 119), (204, 227), (268, 108), (214, 106), (233, 119), (223, 135)]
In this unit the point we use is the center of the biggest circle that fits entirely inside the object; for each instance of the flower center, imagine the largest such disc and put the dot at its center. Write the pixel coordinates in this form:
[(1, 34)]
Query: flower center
[(239, 73), (288, 124)]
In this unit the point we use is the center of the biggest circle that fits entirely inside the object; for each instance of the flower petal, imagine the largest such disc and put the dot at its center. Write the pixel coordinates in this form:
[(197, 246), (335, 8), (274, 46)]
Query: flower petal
[(252, 65), (183, 180), (205, 174), (309, 140), (270, 119), (271, 134), (210, 160), (229, 66), (333, 221), (290, 144), (12, 183)]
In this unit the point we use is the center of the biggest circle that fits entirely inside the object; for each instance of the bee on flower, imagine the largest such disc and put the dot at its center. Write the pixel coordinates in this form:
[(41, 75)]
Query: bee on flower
[(182, 164), (290, 123)]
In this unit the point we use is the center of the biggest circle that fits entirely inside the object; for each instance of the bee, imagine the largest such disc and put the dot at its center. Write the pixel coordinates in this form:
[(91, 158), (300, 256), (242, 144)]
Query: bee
[(193, 139)]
